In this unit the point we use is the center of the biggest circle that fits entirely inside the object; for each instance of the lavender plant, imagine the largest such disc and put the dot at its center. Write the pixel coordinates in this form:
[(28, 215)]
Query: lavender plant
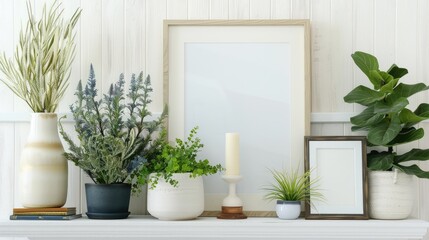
[(115, 138)]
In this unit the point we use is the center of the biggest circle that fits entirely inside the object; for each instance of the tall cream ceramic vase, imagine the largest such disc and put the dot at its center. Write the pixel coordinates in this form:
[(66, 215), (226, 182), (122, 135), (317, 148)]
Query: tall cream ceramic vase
[(43, 168), (390, 194)]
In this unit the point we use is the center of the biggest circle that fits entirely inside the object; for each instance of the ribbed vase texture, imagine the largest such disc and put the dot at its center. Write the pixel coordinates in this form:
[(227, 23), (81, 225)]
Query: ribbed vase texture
[(390, 195), (43, 168), (184, 202)]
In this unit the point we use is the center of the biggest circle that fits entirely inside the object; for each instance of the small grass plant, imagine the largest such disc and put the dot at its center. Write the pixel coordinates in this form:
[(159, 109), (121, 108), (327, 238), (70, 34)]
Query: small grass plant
[(293, 186)]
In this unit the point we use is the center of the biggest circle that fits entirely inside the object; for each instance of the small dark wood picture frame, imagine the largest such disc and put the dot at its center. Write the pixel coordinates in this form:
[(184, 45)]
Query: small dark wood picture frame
[(340, 166)]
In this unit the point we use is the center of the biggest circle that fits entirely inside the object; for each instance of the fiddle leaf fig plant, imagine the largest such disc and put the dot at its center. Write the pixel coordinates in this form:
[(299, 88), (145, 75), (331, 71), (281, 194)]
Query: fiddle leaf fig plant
[(386, 118)]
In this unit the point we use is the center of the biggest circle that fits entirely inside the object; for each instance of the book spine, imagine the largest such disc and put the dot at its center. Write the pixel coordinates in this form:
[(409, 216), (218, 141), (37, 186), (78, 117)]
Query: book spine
[(47, 217), (45, 213)]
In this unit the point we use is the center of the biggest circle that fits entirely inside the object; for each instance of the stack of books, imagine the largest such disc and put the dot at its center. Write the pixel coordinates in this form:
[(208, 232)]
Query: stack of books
[(64, 213)]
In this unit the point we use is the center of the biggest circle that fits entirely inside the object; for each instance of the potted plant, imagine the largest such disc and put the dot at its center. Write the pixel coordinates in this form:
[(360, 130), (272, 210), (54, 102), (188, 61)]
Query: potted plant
[(115, 138), (289, 190), (389, 123), (176, 190), (38, 74)]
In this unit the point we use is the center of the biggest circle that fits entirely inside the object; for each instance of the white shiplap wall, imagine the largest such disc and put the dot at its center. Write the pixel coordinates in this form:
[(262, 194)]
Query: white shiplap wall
[(126, 36)]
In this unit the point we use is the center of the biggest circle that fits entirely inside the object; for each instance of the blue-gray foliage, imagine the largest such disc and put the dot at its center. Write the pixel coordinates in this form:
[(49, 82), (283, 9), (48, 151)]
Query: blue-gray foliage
[(115, 138)]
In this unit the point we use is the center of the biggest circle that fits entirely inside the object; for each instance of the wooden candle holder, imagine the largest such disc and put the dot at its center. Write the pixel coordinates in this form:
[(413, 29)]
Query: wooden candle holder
[(232, 206), (232, 213)]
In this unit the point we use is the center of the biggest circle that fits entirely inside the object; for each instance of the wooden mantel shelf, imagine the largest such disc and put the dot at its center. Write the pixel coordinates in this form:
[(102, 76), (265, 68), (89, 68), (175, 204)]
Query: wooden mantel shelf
[(145, 227)]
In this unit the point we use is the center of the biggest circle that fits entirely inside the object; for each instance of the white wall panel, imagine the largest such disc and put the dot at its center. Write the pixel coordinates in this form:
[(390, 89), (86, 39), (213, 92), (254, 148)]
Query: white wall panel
[(112, 41), (91, 44), (69, 8), (198, 9), (219, 9), (301, 9), (260, 9), (20, 17), (341, 43), (239, 9), (321, 55), (363, 38), (156, 11), (177, 9), (280, 9), (7, 169), (7, 45), (127, 35)]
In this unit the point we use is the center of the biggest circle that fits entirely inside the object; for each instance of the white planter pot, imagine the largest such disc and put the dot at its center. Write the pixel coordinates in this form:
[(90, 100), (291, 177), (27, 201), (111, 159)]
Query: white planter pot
[(43, 168), (390, 195), (184, 202), (288, 210)]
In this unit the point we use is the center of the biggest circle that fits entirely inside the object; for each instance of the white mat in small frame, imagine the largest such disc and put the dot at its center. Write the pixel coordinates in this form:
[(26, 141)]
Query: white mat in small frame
[(339, 164)]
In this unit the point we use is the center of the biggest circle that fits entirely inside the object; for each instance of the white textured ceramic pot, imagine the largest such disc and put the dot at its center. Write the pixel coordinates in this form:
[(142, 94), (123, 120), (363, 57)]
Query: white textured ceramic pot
[(288, 210), (390, 195), (184, 202), (43, 168)]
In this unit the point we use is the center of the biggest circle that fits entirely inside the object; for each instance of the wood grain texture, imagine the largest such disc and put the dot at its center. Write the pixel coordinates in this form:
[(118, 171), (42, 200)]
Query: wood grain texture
[(239, 9), (384, 35), (260, 9), (301, 9), (112, 42), (156, 12), (7, 169), (341, 41), (219, 9), (281, 9), (7, 46), (177, 9), (321, 56), (198, 9)]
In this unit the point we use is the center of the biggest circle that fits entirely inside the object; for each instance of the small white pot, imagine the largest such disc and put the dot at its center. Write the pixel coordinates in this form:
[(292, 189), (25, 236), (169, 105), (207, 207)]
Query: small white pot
[(184, 202), (390, 195), (288, 210), (43, 167)]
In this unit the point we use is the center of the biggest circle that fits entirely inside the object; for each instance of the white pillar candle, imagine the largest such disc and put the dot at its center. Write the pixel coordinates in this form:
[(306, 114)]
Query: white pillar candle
[(232, 153)]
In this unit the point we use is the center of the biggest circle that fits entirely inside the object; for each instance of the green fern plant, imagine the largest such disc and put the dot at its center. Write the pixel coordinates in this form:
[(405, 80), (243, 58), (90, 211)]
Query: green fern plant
[(40, 69), (293, 186), (178, 158), (115, 136)]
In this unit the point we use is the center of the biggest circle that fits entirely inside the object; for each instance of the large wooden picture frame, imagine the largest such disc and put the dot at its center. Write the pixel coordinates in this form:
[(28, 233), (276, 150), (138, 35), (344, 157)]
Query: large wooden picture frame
[(338, 164), (245, 76)]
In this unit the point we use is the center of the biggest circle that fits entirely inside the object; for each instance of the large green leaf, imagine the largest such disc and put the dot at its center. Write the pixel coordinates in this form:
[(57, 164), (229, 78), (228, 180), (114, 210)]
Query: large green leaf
[(385, 131), (422, 110), (366, 117), (366, 62), (380, 161), (413, 154), (407, 135), (397, 72), (409, 118), (358, 128), (413, 170), (407, 90), (388, 87), (363, 95), (376, 79), (393, 107)]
